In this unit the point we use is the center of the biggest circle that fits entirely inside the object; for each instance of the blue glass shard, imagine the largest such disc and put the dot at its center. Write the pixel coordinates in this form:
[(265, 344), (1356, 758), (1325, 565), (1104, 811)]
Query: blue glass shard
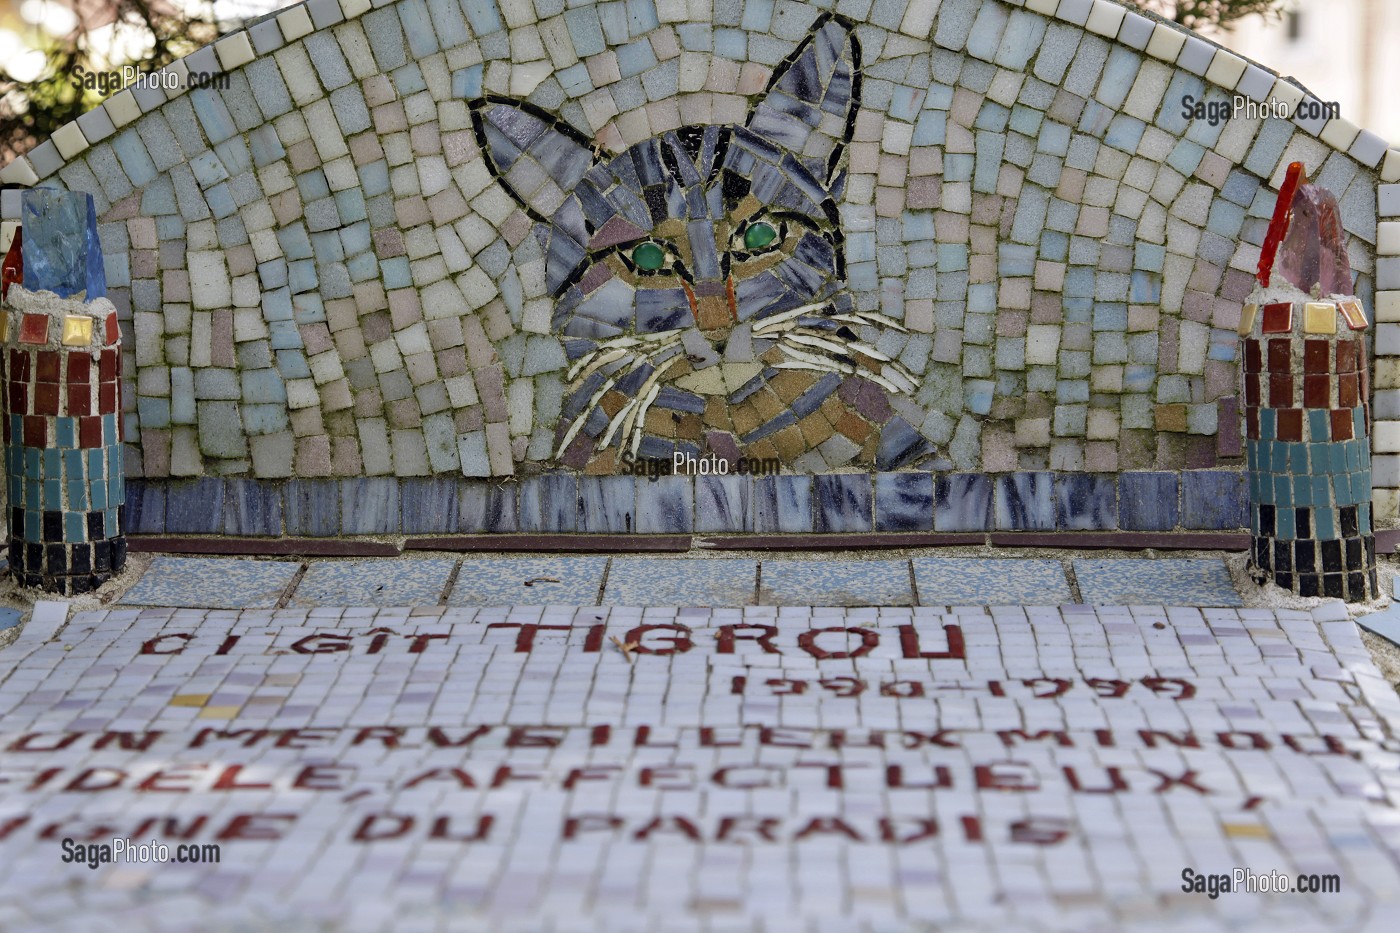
[(61, 251)]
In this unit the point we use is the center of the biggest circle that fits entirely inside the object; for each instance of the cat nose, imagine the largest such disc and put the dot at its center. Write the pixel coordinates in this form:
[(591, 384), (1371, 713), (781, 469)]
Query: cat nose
[(715, 312)]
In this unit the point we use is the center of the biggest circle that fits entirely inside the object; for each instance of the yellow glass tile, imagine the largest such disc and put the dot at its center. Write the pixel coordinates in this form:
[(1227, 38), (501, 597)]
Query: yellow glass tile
[(189, 699), (77, 330), (4, 325), (1247, 319), (1247, 831), (1354, 313), (1320, 317), (219, 712)]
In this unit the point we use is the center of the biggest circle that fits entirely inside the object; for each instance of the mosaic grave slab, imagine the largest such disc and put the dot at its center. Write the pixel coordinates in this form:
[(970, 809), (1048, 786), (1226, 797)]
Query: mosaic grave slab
[(747, 770)]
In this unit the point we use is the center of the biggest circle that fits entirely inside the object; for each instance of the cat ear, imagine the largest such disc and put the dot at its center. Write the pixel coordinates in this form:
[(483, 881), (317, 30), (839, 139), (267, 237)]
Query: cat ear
[(810, 106), (539, 160)]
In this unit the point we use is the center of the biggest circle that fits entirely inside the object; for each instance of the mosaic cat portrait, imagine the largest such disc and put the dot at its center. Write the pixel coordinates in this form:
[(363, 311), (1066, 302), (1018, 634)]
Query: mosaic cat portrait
[(699, 280)]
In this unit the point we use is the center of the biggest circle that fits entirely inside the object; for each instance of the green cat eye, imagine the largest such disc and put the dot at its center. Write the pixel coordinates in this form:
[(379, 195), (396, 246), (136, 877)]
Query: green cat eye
[(649, 257), (759, 235)]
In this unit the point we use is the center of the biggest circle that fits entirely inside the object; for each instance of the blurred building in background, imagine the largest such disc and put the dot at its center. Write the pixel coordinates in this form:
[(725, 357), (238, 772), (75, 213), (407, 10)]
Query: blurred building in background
[(1341, 50)]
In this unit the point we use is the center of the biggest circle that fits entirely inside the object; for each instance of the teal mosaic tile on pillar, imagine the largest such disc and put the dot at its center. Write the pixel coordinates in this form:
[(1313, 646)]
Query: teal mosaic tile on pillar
[(1307, 409), (62, 404)]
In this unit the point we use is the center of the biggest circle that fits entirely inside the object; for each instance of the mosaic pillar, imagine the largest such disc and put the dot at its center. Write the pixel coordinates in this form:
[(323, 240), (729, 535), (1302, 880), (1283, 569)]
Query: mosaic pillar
[(1307, 420), (61, 401)]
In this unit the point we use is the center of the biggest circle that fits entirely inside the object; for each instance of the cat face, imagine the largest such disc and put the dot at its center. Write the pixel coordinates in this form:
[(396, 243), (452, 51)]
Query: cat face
[(690, 269)]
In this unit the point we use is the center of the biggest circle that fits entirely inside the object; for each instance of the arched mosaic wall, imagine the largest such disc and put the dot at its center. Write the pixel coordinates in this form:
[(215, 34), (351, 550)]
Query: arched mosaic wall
[(999, 269)]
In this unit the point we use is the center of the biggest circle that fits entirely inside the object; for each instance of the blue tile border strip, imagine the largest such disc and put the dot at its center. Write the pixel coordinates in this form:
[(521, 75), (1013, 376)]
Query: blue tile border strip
[(1195, 500)]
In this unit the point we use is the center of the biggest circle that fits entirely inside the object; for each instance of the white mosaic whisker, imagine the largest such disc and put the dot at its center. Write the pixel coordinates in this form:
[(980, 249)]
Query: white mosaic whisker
[(648, 393), (825, 364), (597, 397)]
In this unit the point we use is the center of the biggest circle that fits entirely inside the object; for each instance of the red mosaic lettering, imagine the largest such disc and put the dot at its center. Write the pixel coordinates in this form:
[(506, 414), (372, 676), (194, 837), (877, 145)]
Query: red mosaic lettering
[(151, 645), (442, 829), (1006, 775), (957, 646), (728, 635), (176, 772), (668, 824), (313, 644), (1174, 687), (869, 641), (828, 826), (761, 827), (377, 827), (679, 643), (263, 827)]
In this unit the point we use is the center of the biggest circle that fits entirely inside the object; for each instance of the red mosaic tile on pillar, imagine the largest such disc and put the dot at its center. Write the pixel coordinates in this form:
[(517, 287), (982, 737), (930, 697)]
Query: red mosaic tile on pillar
[(1309, 459), (66, 525)]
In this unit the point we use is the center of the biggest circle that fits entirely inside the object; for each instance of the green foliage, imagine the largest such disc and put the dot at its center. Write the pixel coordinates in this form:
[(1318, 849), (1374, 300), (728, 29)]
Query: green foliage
[(1208, 15), (30, 112)]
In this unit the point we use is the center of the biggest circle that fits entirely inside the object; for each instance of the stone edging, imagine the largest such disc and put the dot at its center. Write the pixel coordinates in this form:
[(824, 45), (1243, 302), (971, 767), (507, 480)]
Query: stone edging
[(788, 504)]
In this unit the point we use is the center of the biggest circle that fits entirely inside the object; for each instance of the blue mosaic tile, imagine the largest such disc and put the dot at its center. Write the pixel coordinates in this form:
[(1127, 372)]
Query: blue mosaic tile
[(195, 508), (1147, 501), (369, 505), (487, 507), (9, 618), (1084, 501), (549, 503), (608, 503), (664, 505), (1024, 502), (529, 581), (313, 507), (782, 504), (835, 583), (965, 581), (842, 502), (253, 508), (428, 506), (1214, 499), (1178, 582), (962, 502), (212, 583), (685, 581), (904, 502), (722, 503), (145, 508), (395, 582)]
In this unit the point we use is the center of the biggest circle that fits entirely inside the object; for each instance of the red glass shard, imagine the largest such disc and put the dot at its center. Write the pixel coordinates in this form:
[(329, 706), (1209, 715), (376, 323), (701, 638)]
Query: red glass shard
[(1278, 227), (1314, 251), (13, 268)]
